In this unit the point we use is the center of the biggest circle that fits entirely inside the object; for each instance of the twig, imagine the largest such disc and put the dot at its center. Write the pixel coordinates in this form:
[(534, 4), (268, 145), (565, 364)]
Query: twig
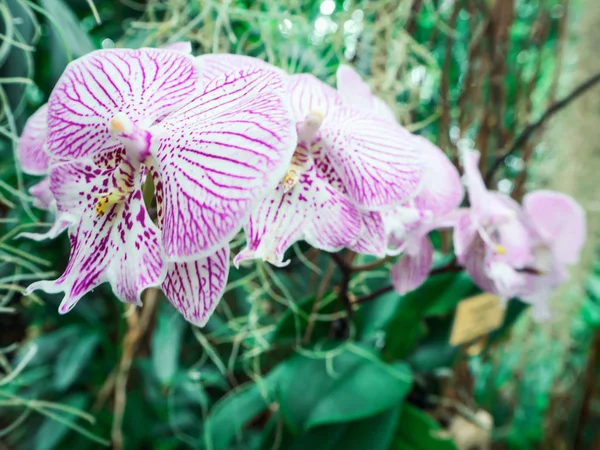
[(590, 385), (530, 129), (450, 267), (344, 297), (315, 308), (137, 327)]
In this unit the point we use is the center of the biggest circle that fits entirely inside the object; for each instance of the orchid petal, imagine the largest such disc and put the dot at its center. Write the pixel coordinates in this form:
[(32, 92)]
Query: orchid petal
[(442, 190), (378, 162), (312, 210), (373, 239), (183, 47), (465, 233), (355, 92), (31, 153), (195, 288), (560, 221), (413, 268), (121, 247), (218, 156), (309, 95), (215, 65), (143, 85), (43, 198), (513, 234)]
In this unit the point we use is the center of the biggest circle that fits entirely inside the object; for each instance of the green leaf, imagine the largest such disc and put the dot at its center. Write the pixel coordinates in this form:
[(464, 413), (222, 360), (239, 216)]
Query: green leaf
[(373, 433), (73, 358), (377, 314), (417, 430), (434, 351), (232, 412), (349, 384), (51, 432), (438, 296), (166, 344)]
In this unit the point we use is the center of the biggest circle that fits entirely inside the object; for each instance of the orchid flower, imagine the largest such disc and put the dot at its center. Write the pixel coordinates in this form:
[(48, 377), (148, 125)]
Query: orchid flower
[(491, 238), (558, 230), (346, 162), (405, 228), (213, 151)]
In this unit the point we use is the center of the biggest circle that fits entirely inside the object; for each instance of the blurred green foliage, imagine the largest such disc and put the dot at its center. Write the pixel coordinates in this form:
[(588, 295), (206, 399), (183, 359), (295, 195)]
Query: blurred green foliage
[(277, 366)]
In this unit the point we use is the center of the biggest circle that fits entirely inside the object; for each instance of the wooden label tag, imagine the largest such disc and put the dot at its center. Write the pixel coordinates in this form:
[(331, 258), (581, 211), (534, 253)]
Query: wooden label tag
[(476, 316)]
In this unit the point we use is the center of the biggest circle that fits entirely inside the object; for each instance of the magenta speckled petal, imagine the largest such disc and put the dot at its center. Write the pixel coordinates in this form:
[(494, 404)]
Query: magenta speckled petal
[(441, 190), (312, 210), (355, 92), (464, 235), (560, 222), (195, 288), (32, 156), (373, 239), (214, 65), (218, 157), (143, 84), (413, 268), (309, 95), (378, 162), (122, 248), (76, 184)]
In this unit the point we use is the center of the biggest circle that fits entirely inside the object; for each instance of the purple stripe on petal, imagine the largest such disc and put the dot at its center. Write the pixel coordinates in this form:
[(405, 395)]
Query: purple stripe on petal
[(32, 156), (218, 156), (412, 269), (195, 288)]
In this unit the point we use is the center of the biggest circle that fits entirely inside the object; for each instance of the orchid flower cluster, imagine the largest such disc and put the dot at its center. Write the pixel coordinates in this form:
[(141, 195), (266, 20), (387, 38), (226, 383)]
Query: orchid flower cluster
[(219, 143)]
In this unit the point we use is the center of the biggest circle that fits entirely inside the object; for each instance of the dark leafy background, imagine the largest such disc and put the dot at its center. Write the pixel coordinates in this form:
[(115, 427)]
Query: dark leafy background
[(279, 365)]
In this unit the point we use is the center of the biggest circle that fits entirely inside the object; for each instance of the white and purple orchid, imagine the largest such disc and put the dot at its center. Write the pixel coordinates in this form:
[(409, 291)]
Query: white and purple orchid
[(214, 150), (347, 166), (218, 143), (491, 238)]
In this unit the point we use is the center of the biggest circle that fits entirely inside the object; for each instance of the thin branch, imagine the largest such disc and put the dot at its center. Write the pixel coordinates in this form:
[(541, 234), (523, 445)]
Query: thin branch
[(530, 129), (452, 266)]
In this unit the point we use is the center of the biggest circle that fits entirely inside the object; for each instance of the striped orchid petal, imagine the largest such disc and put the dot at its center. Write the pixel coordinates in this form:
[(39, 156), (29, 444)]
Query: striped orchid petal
[(310, 95), (194, 288), (31, 153), (355, 92), (312, 210), (378, 161), (215, 65), (373, 238), (413, 268), (143, 84), (121, 247), (217, 157)]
